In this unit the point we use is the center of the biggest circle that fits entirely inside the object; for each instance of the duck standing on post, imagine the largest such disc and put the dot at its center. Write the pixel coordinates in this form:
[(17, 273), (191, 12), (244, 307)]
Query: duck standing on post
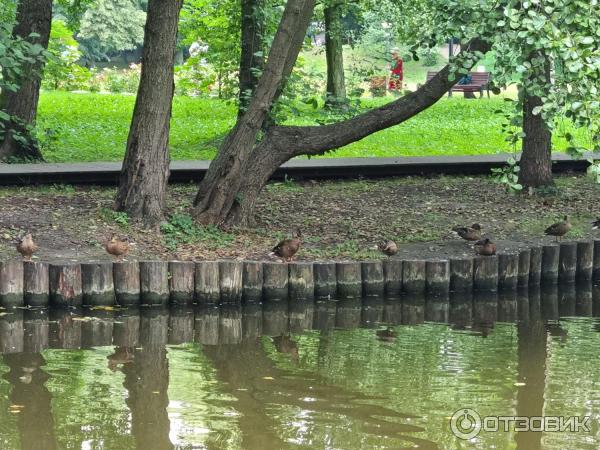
[(287, 248), (559, 229), (472, 233), (485, 247), (117, 247), (26, 247)]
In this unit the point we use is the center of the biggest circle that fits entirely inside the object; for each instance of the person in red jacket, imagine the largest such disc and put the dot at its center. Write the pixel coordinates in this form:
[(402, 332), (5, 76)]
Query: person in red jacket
[(397, 73)]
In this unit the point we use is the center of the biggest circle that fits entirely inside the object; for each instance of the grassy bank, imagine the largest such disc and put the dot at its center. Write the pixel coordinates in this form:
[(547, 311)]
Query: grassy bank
[(79, 127)]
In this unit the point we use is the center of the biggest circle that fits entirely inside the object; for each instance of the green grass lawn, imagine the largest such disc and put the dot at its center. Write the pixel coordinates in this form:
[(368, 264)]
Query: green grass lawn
[(94, 127)]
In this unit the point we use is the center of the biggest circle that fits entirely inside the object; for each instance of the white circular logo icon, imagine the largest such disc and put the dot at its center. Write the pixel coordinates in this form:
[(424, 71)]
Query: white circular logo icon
[(465, 424)]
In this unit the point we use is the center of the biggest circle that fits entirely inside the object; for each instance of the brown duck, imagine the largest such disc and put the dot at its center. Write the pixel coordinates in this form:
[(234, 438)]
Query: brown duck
[(559, 229), (117, 247), (287, 248), (485, 247), (472, 233), (387, 335), (26, 247), (388, 248)]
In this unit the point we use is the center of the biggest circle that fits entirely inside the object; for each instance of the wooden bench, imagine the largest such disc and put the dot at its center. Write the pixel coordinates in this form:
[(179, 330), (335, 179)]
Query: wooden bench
[(480, 81)]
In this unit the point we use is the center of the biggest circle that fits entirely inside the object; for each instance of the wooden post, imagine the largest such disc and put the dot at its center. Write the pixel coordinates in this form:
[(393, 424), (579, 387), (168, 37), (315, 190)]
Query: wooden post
[(301, 281), (206, 325), (154, 282), (252, 281), (97, 284), (251, 321), (508, 271), (348, 313), (535, 265), (12, 332), (301, 315), (414, 274), (11, 283), (64, 331), (36, 330), (349, 279), (325, 279), (392, 275), (371, 314), (98, 331), (230, 281), (550, 260), (230, 325), (181, 325), (596, 270), (461, 274), (567, 266), (126, 331), (585, 260), (372, 278), (36, 283), (437, 277), (154, 327), (485, 273), (275, 318), (524, 265), (181, 282), (126, 277), (208, 288), (65, 285), (275, 281)]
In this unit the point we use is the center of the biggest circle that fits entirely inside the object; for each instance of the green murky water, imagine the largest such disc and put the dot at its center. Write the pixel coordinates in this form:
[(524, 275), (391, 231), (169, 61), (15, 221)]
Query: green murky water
[(337, 375)]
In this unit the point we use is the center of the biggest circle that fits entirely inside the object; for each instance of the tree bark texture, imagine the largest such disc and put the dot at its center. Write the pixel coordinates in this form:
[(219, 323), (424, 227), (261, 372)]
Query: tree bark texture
[(336, 84), (145, 173), (251, 59), (33, 16), (281, 143), (219, 188), (536, 158)]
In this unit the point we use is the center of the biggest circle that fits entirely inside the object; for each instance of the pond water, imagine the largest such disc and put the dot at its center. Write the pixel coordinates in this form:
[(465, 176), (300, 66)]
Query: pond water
[(364, 374)]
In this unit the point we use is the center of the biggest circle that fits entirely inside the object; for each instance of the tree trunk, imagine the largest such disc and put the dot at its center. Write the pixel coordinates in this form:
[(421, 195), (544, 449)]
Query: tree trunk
[(536, 158), (251, 59), (218, 190), (145, 173), (336, 85), (282, 143), (33, 16)]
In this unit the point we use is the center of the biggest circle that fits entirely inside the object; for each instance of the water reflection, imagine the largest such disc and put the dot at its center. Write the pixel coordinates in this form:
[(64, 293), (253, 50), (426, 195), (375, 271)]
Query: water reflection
[(368, 373)]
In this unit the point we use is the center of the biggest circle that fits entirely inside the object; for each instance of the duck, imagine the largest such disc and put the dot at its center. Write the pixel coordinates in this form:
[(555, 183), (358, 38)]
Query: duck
[(596, 224), (389, 248), (559, 229), (387, 335), (472, 233), (26, 247), (287, 248), (285, 344), (117, 247), (485, 247)]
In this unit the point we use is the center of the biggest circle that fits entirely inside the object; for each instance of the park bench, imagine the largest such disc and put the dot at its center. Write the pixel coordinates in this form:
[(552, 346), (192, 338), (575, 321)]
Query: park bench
[(479, 82)]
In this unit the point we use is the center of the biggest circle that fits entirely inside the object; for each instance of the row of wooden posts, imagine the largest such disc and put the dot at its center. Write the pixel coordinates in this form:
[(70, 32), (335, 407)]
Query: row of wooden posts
[(34, 283)]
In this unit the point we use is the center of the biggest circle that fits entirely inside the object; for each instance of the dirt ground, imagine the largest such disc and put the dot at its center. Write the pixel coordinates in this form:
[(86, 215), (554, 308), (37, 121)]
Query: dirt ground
[(338, 219)]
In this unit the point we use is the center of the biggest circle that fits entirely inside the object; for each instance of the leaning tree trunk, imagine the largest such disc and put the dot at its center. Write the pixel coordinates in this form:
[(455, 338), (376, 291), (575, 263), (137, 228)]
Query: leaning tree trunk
[(282, 143), (33, 16), (536, 158), (218, 190), (336, 85), (145, 173), (251, 59)]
